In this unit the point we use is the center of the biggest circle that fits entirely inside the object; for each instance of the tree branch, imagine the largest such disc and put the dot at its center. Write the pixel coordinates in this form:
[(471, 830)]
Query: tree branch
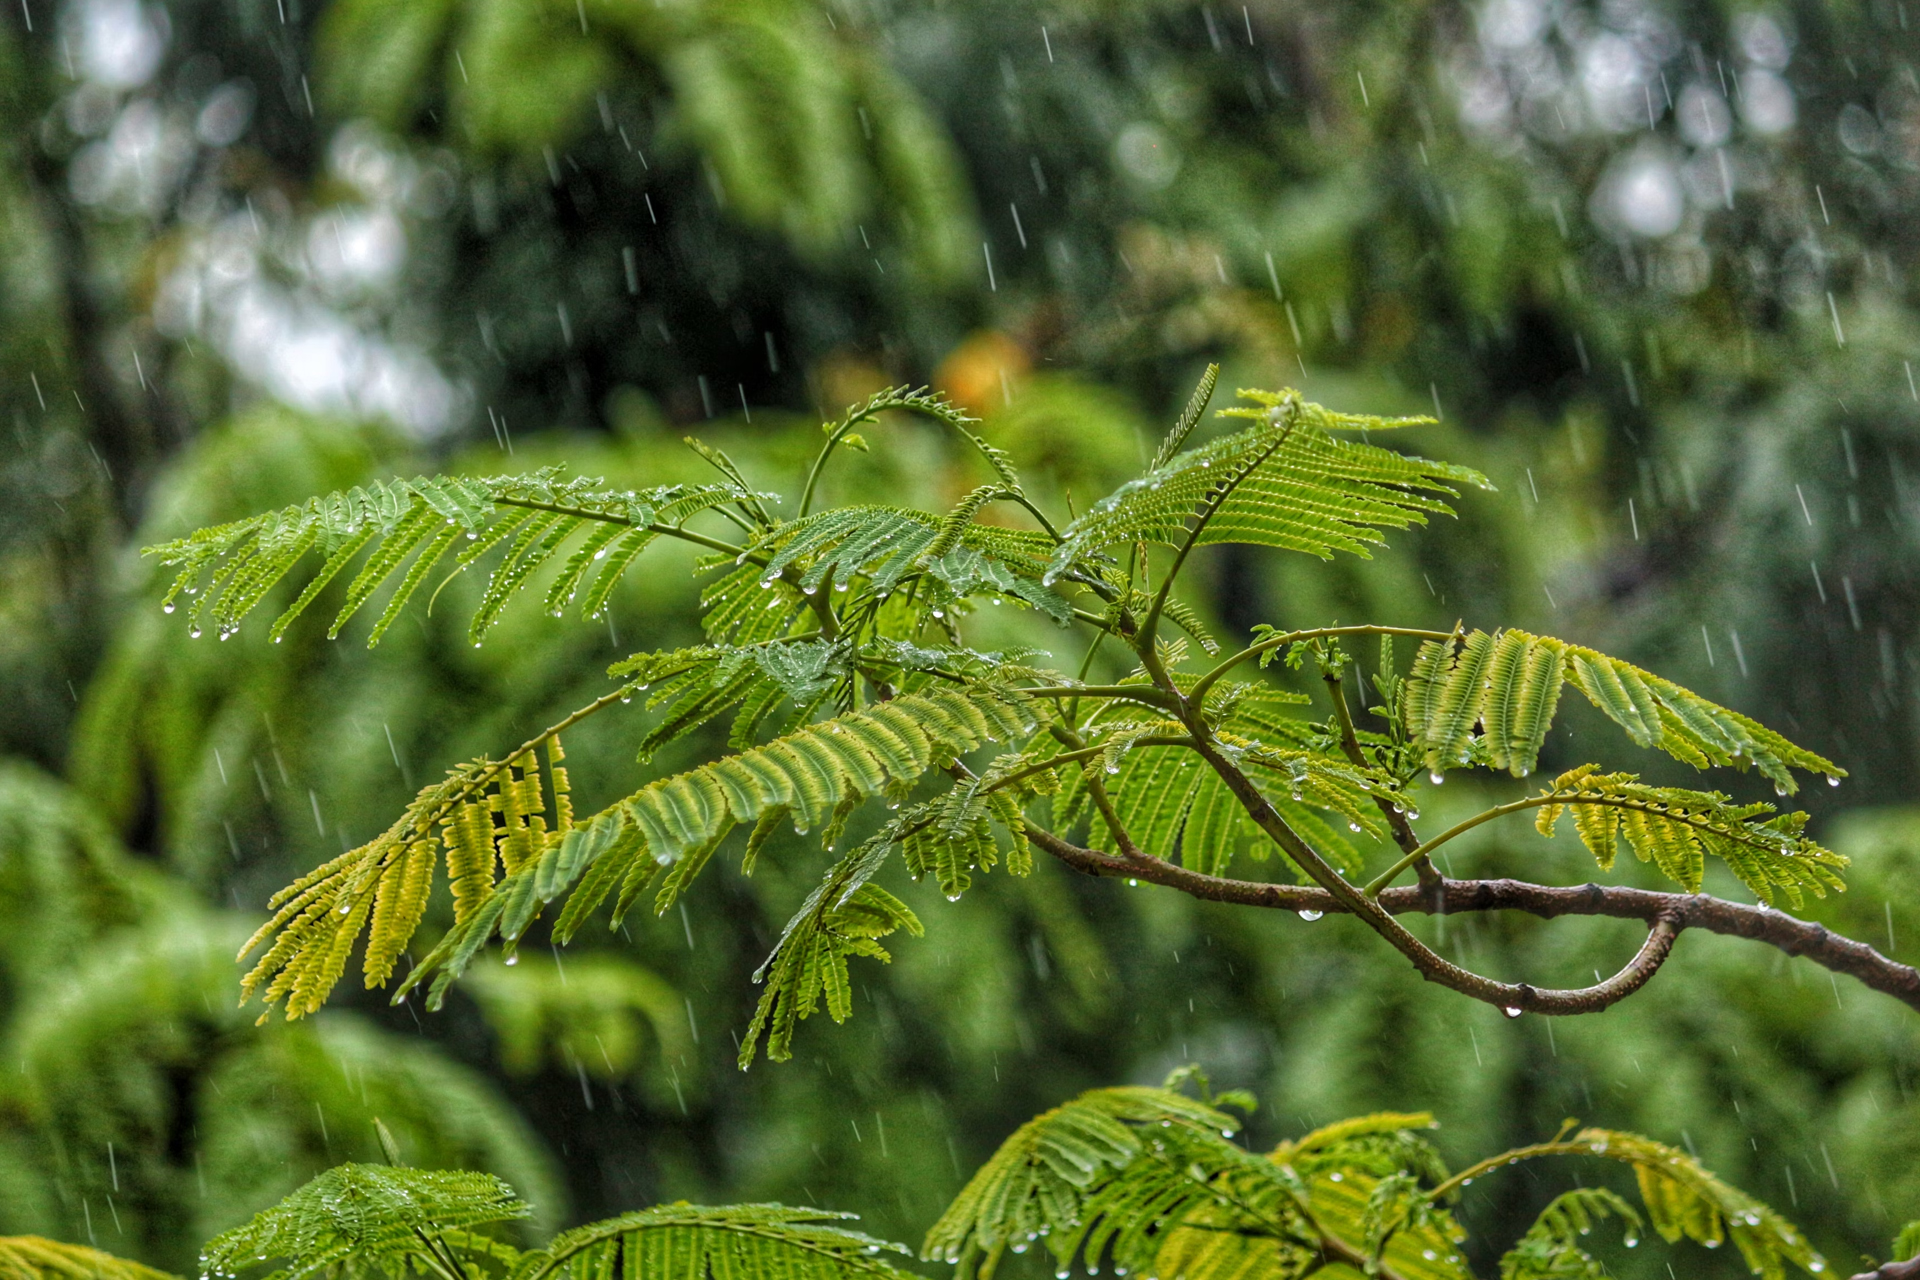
[(1893, 1271), (1416, 853), (1678, 911)]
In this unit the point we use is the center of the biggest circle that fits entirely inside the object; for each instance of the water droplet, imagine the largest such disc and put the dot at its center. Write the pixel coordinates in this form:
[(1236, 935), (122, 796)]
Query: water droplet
[(167, 607), (1435, 778), (1310, 915), (1832, 781), (953, 897), (1353, 826), (1511, 1012), (513, 959), (1779, 790), (193, 632)]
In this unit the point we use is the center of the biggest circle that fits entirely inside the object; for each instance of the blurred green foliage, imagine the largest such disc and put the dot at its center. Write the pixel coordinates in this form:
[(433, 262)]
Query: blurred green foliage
[(1704, 436)]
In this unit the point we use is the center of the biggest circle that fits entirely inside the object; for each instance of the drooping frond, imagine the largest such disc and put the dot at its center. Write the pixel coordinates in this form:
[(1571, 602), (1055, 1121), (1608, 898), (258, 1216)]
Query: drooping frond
[(843, 917), (1677, 830), (369, 1214), (1038, 1182), (1683, 1199), (1551, 1249), (676, 823), (727, 1242), (37, 1258), (407, 527), (1285, 482), (490, 815), (1507, 684)]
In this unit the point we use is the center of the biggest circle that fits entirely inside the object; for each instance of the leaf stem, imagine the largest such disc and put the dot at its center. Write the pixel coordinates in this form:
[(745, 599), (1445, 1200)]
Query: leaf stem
[(1274, 642), (1403, 834), (1514, 1156)]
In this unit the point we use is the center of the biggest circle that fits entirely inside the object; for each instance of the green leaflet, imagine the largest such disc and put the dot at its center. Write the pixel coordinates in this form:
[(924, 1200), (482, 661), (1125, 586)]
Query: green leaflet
[(232, 567), (805, 777), (399, 1220), (1148, 1177), (1507, 685), (1168, 799), (1906, 1245), (1189, 418), (1684, 1201), (366, 1213), (747, 1242), (1284, 482), (843, 917), (891, 546), (1677, 830), (1551, 1248), (36, 1258), (1039, 1179)]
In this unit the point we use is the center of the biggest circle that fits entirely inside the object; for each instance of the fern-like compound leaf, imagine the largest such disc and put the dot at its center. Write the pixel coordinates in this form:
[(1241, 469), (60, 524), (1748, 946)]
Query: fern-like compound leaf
[(1506, 685), (1037, 1184), (726, 1242), (1189, 419), (412, 525), (1677, 830), (891, 546), (1551, 1249), (37, 1258), (1286, 481), (1684, 1200), (491, 816), (804, 777), (843, 917), (370, 1214)]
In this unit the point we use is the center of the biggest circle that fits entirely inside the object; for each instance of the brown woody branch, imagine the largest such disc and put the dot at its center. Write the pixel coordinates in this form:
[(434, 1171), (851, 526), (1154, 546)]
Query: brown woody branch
[(1893, 1271), (1667, 915), (1403, 835)]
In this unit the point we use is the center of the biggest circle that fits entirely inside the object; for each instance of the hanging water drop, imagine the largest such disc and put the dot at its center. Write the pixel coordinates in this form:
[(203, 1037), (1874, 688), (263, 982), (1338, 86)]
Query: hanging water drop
[(1511, 1012), (1310, 915)]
